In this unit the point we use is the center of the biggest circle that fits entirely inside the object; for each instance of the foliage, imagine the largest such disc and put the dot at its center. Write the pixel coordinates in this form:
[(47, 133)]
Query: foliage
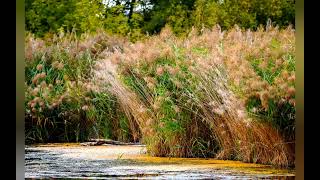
[(53, 16), (137, 18)]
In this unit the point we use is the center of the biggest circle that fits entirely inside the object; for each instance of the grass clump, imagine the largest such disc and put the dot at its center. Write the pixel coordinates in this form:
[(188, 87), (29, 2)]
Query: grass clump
[(61, 102), (192, 97), (228, 95)]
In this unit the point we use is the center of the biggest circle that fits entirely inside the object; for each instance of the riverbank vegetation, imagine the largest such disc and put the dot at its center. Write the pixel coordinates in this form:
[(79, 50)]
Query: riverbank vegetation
[(192, 89)]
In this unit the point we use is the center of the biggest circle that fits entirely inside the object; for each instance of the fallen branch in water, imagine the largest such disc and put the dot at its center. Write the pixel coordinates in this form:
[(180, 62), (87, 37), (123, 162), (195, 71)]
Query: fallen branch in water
[(98, 142)]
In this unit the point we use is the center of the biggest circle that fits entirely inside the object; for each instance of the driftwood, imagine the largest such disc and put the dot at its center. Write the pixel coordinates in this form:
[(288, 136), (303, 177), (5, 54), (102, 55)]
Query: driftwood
[(98, 142)]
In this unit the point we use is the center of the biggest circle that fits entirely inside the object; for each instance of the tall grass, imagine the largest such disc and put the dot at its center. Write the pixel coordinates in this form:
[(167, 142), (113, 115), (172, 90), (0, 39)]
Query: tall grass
[(62, 104), (193, 97), (228, 95)]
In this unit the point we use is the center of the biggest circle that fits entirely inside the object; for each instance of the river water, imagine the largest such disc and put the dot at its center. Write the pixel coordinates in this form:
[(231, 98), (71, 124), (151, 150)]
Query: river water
[(72, 161)]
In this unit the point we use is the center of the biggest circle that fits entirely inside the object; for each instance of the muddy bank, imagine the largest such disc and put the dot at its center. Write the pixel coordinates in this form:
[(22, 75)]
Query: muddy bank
[(132, 162)]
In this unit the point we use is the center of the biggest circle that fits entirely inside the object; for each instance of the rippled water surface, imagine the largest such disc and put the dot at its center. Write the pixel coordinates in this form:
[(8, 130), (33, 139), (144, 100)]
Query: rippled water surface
[(131, 162)]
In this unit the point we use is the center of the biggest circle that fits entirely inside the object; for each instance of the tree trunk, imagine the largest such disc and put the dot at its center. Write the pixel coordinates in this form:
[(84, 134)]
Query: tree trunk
[(132, 3)]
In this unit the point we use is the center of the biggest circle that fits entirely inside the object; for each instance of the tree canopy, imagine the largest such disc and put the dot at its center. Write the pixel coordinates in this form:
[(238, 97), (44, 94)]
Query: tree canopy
[(138, 17)]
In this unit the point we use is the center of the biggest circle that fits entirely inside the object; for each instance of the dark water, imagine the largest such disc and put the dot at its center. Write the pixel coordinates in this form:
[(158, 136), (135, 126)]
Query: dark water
[(108, 163)]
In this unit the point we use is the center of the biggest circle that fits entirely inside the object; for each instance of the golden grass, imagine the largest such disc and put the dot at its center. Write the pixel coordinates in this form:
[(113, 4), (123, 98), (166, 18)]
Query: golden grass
[(223, 68), (219, 61)]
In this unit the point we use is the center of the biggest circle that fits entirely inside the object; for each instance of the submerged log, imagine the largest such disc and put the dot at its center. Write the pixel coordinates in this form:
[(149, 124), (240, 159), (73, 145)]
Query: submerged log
[(88, 144), (98, 142)]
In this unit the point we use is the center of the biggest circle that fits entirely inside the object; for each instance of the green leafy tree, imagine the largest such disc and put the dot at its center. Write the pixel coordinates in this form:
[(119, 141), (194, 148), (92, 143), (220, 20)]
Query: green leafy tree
[(245, 13), (116, 21), (281, 12), (206, 13), (237, 12), (134, 18), (175, 13), (43, 16), (88, 15)]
